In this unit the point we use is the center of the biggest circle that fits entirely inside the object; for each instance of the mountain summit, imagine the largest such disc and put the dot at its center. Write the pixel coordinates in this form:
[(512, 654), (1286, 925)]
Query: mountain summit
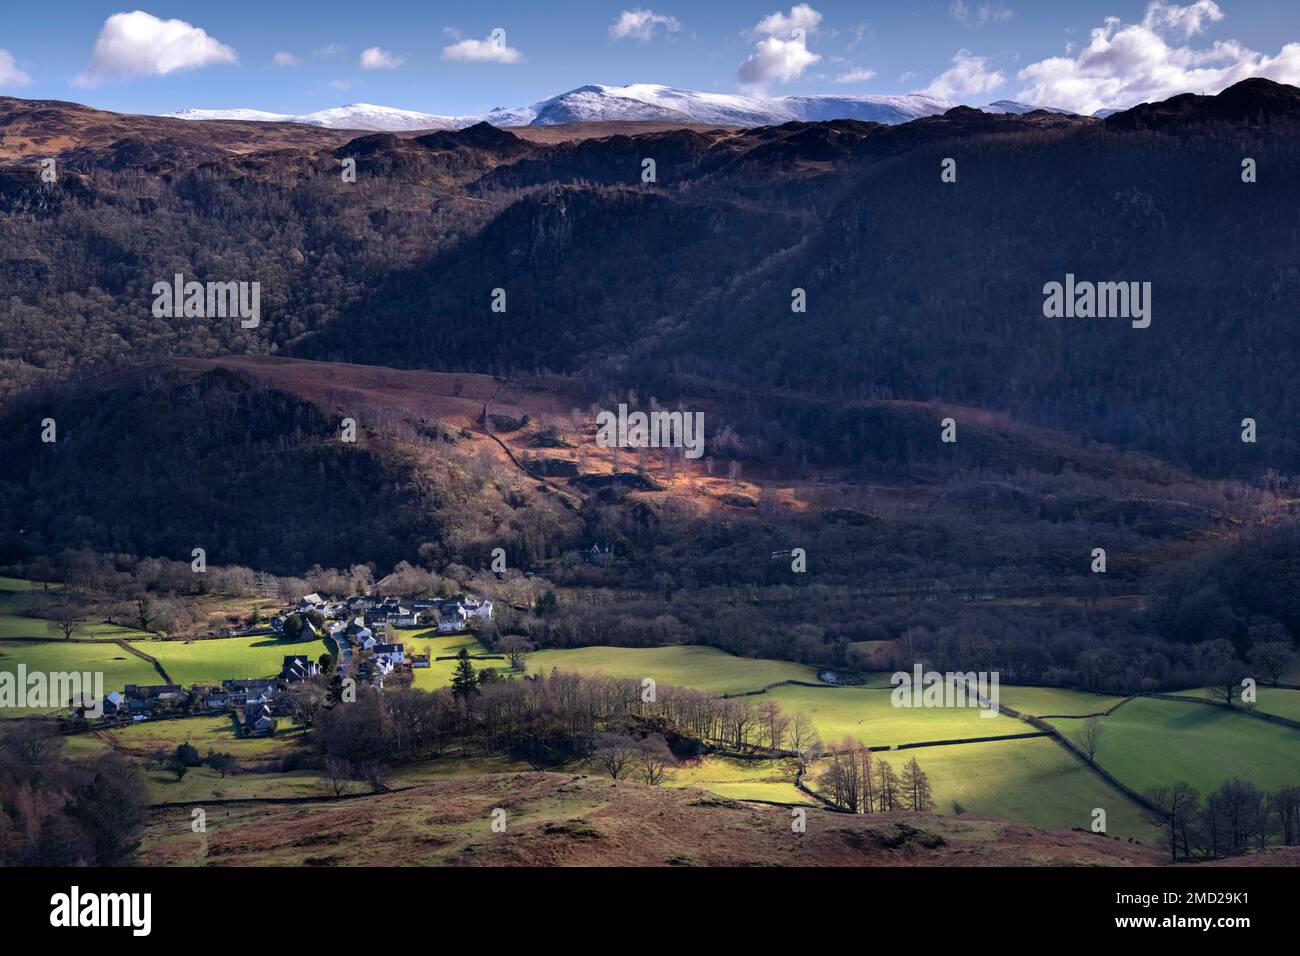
[(600, 103)]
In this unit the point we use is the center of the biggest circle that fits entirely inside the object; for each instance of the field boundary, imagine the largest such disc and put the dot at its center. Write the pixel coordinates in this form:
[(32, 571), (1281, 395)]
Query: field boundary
[(157, 664), (1258, 714)]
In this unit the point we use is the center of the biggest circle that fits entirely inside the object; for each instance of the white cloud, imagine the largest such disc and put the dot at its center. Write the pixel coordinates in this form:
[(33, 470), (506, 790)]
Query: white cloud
[(377, 59), (984, 13), (781, 52), (140, 44), (494, 49), (775, 61), (10, 73), (328, 50), (778, 24), (855, 75), (641, 24), (341, 85), (1125, 64), (284, 59), (1189, 20), (969, 75)]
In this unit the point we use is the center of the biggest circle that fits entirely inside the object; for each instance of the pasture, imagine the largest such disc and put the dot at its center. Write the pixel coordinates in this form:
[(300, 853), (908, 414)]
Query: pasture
[(438, 674), (1148, 742), (703, 668), (740, 779), (1271, 700), (217, 733), (214, 660), (1034, 781), (1044, 701), (118, 666), (868, 716), (13, 593)]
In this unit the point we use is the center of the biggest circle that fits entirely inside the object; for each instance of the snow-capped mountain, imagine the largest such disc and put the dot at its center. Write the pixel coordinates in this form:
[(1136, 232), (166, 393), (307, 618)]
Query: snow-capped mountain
[(1011, 106), (363, 116), (599, 103), (650, 101)]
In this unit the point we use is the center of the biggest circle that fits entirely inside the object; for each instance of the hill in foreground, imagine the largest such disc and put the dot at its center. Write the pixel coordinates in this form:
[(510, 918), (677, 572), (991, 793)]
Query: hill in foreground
[(568, 820)]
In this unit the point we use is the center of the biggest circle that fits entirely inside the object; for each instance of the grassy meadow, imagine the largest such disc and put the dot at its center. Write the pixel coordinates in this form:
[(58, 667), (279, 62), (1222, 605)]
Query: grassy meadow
[(704, 668), (740, 779), (1054, 701), (209, 661), (438, 674), (120, 667), (867, 715), (1148, 742), (1036, 781), (1271, 700)]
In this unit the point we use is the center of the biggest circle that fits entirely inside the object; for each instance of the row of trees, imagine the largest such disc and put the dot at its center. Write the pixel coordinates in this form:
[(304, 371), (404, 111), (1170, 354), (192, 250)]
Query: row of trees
[(545, 720), (858, 781), (1236, 817)]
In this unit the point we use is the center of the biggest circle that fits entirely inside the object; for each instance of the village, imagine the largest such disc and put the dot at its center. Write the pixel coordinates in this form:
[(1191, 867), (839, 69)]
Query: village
[(363, 630)]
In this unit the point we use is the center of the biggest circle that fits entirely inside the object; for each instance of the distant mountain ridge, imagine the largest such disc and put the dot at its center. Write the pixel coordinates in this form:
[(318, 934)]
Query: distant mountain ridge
[(601, 103), (361, 116)]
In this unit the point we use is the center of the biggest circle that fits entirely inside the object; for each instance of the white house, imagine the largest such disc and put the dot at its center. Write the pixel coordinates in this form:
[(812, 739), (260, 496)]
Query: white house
[(404, 617), (476, 608), (452, 618), (390, 654)]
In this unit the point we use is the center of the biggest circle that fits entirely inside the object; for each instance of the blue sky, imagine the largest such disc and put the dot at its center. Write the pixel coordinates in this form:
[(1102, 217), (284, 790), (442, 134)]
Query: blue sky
[(438, 58)]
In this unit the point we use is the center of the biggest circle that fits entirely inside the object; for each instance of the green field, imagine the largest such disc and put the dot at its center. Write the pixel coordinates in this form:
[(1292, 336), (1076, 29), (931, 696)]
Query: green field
[(118, 666), (1036, 781), (1148, 742), (868, 716), (211, 661), (203, 783), (1041, 701), (1271, 700), (740, 779), (206, 733), (703, 668), (438, 674), (19, 584), (13, 624)]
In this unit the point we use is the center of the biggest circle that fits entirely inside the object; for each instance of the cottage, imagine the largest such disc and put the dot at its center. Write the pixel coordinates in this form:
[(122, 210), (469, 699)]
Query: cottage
[(258, 720), (452, 618), (392, 654), (476, 608), (404, 617), (111, 704), (298, 668), (251, 686)]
